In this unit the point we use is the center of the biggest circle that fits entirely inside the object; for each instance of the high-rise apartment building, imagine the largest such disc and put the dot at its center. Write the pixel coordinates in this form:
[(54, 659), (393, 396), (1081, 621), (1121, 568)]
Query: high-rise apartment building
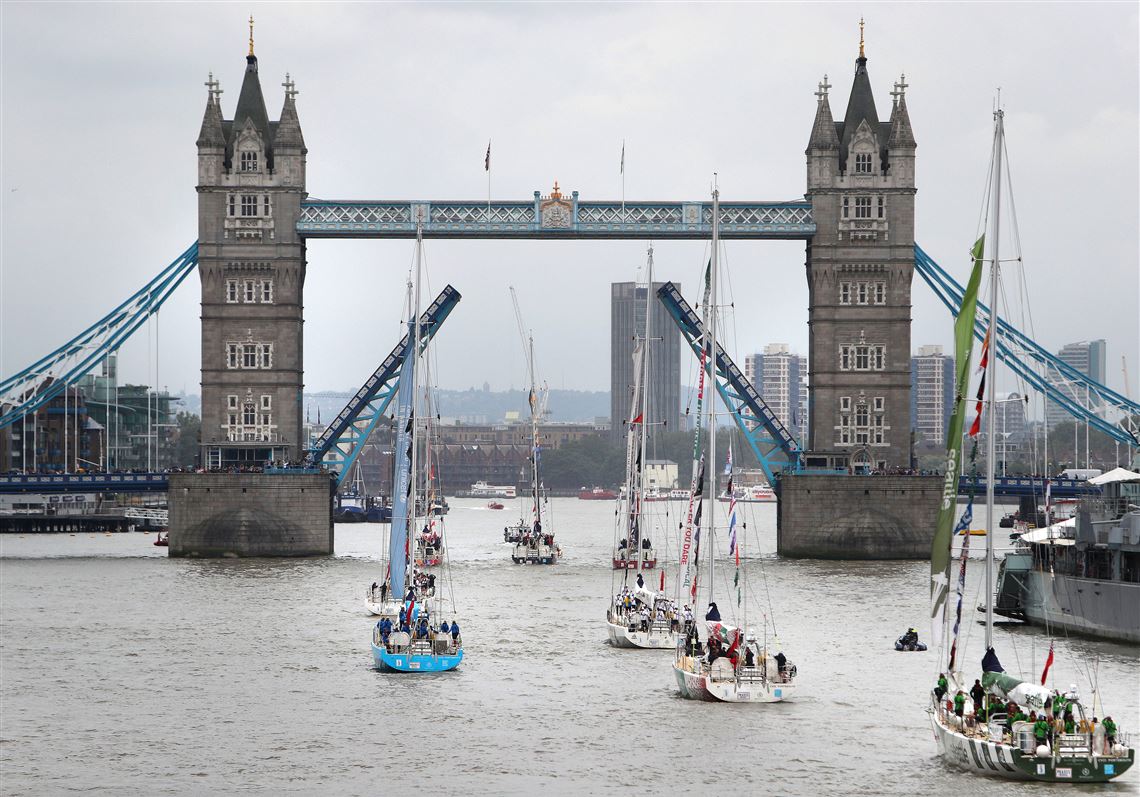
[(780, 378), (931, 393), (627, 323), (1088, 357)]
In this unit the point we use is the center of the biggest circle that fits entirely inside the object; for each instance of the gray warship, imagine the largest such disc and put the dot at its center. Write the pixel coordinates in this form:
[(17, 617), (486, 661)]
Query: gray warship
[(1081, 575)]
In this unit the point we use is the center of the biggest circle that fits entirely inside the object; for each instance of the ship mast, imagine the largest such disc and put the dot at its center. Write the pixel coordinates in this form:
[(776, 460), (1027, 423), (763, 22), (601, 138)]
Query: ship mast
[(409, 544), (711, 312), (644, 405), (991, 374), (534, 437)]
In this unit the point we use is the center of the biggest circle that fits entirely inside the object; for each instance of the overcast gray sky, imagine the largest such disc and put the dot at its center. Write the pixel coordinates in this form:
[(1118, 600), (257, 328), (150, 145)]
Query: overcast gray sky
[(101, 105)]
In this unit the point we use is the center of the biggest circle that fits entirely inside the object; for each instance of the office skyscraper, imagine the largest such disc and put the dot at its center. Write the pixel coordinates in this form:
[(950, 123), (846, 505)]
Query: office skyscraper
[(1088, 357), (627, 322), (931, 393), (780, 378)]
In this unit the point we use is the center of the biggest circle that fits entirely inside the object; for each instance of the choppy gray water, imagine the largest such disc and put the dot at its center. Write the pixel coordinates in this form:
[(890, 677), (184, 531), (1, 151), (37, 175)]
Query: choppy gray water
[(128, 672)]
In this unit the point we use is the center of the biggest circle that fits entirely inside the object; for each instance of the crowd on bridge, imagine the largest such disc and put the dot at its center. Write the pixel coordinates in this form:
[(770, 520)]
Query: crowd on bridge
[(95, 470)]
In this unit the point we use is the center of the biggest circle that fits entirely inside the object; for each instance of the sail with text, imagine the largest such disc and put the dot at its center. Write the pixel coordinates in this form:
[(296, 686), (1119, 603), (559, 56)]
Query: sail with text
[(940, 560)]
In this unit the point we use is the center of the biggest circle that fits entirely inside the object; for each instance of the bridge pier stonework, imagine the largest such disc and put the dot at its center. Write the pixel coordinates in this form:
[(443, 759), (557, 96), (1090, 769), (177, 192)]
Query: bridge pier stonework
[(250, 514), (860, 262)]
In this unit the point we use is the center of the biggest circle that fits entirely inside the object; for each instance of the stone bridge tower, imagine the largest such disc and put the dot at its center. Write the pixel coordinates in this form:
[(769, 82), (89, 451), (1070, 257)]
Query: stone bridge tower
[(251, 180), (860, 180)]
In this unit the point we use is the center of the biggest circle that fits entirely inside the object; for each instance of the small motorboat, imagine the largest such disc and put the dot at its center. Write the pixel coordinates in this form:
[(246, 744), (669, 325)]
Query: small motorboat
[(597, 494), (495, 505), (378, 514), (161, 541), (908, 642)]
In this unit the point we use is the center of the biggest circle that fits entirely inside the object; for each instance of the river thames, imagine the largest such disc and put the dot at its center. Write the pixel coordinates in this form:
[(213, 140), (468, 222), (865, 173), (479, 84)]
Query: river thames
[(129, 672)]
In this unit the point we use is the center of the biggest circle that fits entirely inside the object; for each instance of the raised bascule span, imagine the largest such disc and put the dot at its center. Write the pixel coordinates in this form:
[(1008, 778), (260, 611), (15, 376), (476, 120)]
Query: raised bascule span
[(341, 444), (773, 445)]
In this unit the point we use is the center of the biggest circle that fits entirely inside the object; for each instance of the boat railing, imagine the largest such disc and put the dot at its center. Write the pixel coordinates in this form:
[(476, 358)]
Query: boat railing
[(751, 675), (1073, 744), (402, 642)]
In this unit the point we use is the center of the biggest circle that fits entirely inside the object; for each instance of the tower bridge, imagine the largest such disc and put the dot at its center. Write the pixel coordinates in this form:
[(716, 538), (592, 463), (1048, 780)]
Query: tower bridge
[(856, 218)]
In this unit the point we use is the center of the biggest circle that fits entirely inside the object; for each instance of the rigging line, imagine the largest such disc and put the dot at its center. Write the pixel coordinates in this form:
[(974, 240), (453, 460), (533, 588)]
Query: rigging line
[(1017, 659), (968, 631), (764, 581), (984, 210), (1027, 303)]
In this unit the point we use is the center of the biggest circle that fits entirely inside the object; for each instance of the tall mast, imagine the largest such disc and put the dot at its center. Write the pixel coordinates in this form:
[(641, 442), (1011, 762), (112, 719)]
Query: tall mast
[(410, 543), (710, 311), (534, 437), (991, 376), (640, 498)]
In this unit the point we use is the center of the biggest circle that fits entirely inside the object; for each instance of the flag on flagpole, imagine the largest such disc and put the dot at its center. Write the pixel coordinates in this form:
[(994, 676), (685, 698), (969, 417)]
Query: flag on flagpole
[(732, 547), (1048, 664), (623, 156), (487, 159), (983, 366), (1048, 503)]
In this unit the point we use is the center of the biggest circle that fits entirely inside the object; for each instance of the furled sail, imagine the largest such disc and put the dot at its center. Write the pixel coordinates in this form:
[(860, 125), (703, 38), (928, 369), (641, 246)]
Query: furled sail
[(402, 472)]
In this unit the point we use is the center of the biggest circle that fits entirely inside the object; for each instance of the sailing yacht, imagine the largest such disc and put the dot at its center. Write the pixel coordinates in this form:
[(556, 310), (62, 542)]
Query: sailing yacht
[(535, 545), (633, 548), (638, 616), (414, 634), (1018, 730), (737, 667)]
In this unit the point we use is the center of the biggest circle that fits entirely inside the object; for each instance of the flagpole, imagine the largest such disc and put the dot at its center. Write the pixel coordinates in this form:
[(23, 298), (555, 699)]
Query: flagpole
[(487, 168), (623, 219)]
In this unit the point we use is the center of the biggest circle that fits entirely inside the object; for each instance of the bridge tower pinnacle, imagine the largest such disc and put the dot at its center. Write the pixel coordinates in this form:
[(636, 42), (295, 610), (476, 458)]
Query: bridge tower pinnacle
[(251, 180), (861, 183)]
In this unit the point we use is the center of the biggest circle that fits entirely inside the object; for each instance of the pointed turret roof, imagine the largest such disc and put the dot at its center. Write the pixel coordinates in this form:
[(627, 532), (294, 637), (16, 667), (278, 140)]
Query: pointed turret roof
[(251, 106), (212, 133), (860, 108), (901, 133), (288, 132), (823, 135)]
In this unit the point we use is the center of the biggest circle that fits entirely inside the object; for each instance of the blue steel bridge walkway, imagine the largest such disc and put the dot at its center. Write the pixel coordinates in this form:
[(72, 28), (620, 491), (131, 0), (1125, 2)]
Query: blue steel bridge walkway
[(555, 217)]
